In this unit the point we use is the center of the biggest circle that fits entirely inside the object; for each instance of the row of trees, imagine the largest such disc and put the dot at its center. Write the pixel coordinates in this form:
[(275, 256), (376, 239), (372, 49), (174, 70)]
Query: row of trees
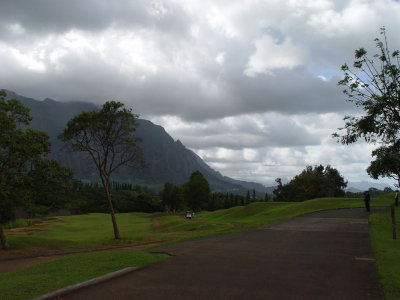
[(195, 195), (89, 197)]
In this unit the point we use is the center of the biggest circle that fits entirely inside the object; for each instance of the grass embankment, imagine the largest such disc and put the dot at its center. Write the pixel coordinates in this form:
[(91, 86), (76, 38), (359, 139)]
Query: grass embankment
[(94, 231), (387, 251), (262, 213)]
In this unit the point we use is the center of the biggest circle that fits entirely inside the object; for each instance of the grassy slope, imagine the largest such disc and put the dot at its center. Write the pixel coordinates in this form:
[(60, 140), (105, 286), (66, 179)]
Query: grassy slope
[(94, 231), (258, 214)]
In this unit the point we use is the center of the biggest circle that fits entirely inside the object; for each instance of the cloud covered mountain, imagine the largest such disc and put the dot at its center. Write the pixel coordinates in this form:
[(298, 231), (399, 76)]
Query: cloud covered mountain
[(168, 160)]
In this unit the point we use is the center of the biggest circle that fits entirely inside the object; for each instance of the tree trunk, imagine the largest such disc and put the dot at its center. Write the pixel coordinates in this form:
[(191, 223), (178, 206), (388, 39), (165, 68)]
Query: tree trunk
[(3, 239), (113, 220)]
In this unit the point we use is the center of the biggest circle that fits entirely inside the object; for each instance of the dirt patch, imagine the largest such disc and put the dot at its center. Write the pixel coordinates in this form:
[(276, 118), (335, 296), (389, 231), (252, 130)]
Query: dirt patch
[(37, 225)]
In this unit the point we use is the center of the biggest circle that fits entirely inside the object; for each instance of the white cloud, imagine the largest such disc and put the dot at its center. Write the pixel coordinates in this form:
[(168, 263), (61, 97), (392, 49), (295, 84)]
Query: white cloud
[(220, 58), (271, 55), (30, 61)]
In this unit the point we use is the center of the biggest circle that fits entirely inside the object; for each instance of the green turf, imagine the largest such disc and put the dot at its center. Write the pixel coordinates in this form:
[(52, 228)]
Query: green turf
[(261, 213), (387, 251), (72, 231), (50, 276)]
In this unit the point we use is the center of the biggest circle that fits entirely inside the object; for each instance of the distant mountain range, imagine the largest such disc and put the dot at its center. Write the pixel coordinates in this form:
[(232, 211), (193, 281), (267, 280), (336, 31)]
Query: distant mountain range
[(168, 160), (360, 186)]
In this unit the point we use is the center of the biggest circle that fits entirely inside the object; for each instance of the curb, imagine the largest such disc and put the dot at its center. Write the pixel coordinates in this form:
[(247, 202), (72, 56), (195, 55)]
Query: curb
[(87, 283)]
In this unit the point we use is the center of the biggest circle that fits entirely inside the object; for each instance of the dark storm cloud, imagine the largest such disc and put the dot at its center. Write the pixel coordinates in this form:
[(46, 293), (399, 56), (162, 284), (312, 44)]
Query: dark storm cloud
[(42, 17)]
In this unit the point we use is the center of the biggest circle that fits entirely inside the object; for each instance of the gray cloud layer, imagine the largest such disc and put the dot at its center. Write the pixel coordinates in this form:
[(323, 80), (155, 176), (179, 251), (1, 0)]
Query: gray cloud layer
[(250, 86)]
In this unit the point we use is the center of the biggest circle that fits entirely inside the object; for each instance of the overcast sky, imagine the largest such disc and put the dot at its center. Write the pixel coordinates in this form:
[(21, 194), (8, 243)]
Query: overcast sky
[(249, 85)]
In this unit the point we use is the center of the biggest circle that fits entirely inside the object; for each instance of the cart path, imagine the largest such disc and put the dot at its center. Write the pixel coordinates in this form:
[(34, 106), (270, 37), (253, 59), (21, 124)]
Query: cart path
[(322, 255)]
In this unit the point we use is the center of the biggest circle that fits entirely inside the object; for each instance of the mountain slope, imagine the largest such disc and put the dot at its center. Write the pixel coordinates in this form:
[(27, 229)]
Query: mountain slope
[(167, 160)]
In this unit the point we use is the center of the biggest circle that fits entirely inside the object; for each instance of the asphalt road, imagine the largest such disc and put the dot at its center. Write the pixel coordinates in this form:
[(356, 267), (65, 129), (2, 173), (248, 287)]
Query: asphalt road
[(323, 255)]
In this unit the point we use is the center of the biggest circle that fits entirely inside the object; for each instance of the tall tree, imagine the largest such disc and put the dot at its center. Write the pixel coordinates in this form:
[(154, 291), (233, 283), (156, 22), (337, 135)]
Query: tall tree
[(248, 197), (266, 197), (373, 84), (335, 183), (18, 147), (197, 191), (107, 137), (279, 191)]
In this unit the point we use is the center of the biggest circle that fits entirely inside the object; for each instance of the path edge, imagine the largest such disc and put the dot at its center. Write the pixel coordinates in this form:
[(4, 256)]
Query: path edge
[(87, 283)]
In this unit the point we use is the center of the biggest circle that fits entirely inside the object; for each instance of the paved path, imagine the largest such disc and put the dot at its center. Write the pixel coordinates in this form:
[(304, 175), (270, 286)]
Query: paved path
[(323, 255)]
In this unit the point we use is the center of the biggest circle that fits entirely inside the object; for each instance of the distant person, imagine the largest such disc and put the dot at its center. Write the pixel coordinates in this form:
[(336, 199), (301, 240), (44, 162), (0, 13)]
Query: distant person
[(367, 198), (396, 197)]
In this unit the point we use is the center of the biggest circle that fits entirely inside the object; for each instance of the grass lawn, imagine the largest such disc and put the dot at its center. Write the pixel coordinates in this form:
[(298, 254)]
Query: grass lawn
[(387, 251), (53, 275), (74, 231), (261, 213), (94, 231)]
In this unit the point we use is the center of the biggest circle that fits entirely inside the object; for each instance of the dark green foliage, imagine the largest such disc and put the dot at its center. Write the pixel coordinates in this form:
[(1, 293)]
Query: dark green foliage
[(197, 191), (19, 148), (172, 198), (281, 190), (89, 198), (386, 163), (48, 184), (266, 197), (374, 86), (247, 197), (220, 200), (311, 183)]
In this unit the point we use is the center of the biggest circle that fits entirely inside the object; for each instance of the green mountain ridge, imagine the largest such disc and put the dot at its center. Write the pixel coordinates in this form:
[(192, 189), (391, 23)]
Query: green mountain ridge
[(167, 160)]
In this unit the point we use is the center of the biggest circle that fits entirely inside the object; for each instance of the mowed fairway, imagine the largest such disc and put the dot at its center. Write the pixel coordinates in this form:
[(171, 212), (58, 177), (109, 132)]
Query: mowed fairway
[(80, 231), (94, 231), (86, 233)]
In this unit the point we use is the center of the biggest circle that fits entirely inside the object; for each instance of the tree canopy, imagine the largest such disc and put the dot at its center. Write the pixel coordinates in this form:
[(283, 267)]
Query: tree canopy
[(107, 137), (19, 146), (311, 183), (197, 191), (373, 84), (47, 184), (386, 163)]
